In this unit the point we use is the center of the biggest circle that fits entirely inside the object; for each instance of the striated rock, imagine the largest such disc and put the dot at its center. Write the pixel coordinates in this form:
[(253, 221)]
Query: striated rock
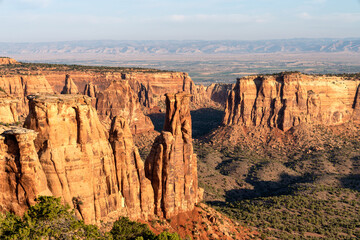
[(214, 95), (287, 100), (90, 90), (76, 156), (7, 61), (119, 100), (8, 109), (171, 165), (19, 86), (70, 87), (130, 173), (21, 174)]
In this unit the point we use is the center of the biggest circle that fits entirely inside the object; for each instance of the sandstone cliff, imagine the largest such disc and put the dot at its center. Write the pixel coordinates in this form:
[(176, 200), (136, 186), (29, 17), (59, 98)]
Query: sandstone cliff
[(134, 186), (171, 165), (119, 100), (21, 174), (287, 100), (76, 156), (8, 109)]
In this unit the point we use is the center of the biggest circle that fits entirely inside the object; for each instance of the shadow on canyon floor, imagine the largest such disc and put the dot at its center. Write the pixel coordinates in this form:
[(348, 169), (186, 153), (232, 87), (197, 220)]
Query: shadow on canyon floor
[(203, 121)]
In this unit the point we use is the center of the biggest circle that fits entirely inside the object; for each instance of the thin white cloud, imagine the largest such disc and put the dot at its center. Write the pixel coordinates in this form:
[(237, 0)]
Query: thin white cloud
[(338, 17), (220, 18), (40, 3)]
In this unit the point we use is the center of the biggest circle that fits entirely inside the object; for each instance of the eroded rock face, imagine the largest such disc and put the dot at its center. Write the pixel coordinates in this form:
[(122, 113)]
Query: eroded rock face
[(171, 165), (119, 100), (8, 109), (69, 87), (287, 100), (21, 174), (130, 173), (76, 156)]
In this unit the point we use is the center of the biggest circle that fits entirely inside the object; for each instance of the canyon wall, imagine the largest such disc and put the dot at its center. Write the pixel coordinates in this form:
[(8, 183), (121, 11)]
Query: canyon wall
[(8, 109), (287, 100), (171, 165), (66, 151)]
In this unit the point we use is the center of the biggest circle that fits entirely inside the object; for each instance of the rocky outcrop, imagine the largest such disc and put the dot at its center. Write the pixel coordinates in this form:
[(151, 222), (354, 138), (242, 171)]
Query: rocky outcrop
[(70, 87), (8, 109), (119, 100), (287, 100), (19, 86), (90, 90), (214, 95), (7, 61), (21, 174), (76, 156), (356, 106), (134, 186), (171, 165)]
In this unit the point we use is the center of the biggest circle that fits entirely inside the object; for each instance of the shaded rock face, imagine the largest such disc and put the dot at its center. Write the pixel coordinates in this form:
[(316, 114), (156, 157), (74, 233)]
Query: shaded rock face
[(214, 95), (119, 100), (288, 100), (130, 173), (171, 165), (21, 173), (70, 87), (76, 156)]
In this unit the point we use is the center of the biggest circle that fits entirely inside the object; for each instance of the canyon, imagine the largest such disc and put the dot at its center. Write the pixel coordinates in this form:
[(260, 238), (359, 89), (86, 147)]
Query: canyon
[(70, 132)]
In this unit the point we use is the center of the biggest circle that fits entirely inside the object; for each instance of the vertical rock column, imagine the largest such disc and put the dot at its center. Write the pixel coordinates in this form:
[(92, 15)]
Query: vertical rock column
[(171, 165), (135, 187)]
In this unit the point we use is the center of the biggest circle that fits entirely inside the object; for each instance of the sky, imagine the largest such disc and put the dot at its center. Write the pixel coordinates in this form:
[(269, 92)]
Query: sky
[(67, 20)]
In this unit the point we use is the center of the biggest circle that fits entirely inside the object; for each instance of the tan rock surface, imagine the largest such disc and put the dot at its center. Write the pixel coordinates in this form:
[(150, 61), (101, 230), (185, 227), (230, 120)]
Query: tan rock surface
[(119, 100), (171, 165), (69, 87), (76, 156), (21, 174), (287, 100), (7, 61), (130, 173), (8, 109)]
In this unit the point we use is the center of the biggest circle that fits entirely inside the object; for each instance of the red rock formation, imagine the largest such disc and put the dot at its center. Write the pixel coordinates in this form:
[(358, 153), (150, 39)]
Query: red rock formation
[(171, 165), (76, 156), (70, 87), (356, 106), (119, 100), (288, 100), (135, 187), (90, 90), (21, 174)]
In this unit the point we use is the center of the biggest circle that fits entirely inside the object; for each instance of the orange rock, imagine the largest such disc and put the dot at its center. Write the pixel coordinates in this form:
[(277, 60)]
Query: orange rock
[(287, 100), (70, 87), (171, 165), (135, 187), (21, 174), (7, 61), (8, 109), (76, 156), (119, 100)]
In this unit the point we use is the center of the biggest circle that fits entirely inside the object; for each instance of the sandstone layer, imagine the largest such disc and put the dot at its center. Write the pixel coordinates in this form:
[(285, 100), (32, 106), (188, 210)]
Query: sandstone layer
[(75, 154), (171, 165), (8, 109), (287, 100), (118, 99), (130, 173)]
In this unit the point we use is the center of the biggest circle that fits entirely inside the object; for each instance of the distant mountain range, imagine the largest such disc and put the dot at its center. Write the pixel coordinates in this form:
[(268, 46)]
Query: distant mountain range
[(183, 47)]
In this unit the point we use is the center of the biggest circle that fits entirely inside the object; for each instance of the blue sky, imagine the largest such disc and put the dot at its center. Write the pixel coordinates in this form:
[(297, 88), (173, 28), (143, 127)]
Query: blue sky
[(60, 20)]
